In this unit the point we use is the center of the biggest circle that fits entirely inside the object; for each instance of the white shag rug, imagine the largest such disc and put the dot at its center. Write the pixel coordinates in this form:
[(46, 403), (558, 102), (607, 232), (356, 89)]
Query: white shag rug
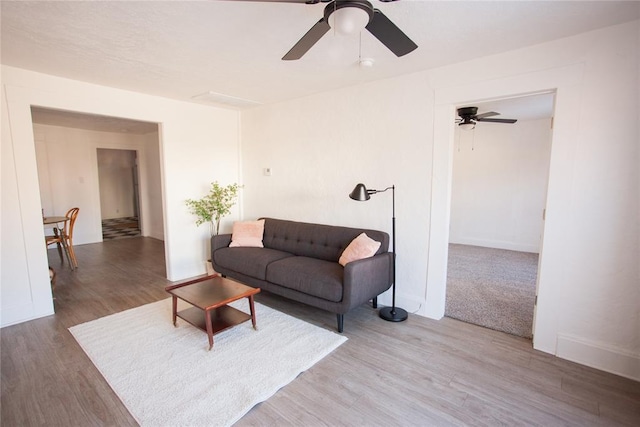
[(166, 376)]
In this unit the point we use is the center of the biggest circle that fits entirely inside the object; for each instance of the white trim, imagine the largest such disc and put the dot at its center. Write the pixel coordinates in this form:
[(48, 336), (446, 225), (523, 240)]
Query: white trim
[(566, 82), (599, 356), (19, 102)]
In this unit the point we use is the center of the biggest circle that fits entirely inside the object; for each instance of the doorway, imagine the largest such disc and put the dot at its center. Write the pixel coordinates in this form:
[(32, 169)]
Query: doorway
[(67, 145), (119, 193), (498, 195)]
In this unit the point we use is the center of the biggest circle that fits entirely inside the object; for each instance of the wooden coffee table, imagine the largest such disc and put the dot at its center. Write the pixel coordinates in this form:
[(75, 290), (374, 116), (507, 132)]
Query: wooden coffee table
[(209, 297)]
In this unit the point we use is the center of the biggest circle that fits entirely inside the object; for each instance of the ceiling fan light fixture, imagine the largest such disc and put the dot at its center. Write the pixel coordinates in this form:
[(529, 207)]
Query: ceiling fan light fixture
[(349, 20), (467, 125)]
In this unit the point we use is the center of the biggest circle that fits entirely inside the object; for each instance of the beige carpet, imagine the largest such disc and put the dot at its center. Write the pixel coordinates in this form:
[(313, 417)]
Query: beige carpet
[(494, 288), (166, 376)]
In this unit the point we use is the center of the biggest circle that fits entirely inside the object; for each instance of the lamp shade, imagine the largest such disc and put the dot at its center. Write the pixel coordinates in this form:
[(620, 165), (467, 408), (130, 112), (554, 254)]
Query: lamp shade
[(360, 193), (348, 20)]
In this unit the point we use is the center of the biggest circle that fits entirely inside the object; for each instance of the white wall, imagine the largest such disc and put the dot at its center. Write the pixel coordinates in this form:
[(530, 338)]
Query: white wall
[(499, 185), (320, 147), (400, 131), (151, 206), (199, 144), (68, 173)]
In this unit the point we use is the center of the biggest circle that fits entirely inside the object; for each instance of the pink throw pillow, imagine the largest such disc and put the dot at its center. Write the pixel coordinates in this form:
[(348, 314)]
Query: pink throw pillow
[(247, 234), (360, 247)]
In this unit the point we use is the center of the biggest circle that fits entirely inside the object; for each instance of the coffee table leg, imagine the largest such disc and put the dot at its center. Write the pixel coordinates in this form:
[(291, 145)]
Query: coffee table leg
[(209, 328), (253, 312), (175, 309)]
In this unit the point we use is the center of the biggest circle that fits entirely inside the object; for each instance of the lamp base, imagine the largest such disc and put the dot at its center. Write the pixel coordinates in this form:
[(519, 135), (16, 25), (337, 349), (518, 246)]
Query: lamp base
[(393, 314)]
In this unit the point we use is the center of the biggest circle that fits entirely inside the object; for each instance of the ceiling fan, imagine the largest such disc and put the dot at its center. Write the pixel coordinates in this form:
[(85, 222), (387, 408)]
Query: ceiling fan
[(351, 17), (468, 117)]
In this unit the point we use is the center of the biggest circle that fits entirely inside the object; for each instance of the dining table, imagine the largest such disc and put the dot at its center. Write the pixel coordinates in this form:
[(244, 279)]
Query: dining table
[(58, 230)]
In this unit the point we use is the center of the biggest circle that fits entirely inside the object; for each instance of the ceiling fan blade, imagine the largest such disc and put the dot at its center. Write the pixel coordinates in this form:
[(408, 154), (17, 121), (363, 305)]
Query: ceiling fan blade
[(390, 35), (488, 114), (308, 40), (498, 120)]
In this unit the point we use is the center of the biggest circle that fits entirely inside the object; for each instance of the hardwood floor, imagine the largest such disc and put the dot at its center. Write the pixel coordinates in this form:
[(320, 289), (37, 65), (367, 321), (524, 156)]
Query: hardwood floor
[(419, 372)]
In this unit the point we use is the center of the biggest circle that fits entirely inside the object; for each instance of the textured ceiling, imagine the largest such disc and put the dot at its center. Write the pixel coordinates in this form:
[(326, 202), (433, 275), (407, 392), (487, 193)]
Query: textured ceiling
[(180, 49)]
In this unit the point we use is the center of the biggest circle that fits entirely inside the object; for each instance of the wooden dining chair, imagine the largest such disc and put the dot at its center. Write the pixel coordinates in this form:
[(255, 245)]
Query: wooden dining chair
[(64, 237), (72, 214), (56, 239)]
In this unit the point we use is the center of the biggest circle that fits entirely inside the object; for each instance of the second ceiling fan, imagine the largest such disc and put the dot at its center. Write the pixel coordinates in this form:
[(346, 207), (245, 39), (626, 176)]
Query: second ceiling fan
[(351, 16), (468, 117)]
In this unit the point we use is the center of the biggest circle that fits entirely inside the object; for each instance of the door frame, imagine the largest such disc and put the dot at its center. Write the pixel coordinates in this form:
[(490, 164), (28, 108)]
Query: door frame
[(566, 83), (137, 183), (543, 175)]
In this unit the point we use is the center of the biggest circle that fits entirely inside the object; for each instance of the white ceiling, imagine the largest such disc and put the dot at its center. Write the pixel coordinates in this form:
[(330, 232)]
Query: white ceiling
[(180, 49), (532, 107)]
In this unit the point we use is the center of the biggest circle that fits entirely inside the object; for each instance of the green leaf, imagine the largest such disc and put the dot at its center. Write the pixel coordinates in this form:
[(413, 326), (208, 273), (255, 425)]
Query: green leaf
[(215, 205)]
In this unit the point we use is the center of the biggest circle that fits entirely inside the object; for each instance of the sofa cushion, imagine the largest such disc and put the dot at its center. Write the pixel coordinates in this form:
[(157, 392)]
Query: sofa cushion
[(247, 234), (322, 279), (250, 261), (361, 247)]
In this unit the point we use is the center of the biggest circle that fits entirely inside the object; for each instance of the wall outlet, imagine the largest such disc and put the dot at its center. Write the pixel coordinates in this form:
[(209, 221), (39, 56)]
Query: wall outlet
[(266, 171)]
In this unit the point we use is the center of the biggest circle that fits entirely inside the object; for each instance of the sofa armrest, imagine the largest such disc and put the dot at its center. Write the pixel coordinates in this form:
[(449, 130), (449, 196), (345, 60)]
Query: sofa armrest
[(367, 278), (220, 241)]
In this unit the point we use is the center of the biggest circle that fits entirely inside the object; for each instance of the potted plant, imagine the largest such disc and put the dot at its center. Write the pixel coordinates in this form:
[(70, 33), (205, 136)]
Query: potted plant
[(212, 207), (215, 205)]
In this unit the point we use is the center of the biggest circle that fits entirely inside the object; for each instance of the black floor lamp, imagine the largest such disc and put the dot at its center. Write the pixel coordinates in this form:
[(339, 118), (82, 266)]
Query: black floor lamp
[(360, 193)]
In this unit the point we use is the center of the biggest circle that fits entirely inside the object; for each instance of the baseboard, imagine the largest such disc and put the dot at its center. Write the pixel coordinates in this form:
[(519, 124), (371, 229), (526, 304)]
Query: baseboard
[(156, 234), (409, 303), (497, 244), (600, 356), (23, 313)]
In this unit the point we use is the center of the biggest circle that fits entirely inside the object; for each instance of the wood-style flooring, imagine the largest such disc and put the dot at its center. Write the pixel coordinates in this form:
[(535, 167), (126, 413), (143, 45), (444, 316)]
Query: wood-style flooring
[(420, 372)]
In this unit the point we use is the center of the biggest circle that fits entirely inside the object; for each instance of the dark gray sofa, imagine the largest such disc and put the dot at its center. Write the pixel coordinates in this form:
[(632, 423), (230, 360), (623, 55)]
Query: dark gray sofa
[(299, 261)]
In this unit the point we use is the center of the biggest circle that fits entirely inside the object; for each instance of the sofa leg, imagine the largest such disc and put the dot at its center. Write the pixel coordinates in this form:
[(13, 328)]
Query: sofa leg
[(340, 322), (374, 302)]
